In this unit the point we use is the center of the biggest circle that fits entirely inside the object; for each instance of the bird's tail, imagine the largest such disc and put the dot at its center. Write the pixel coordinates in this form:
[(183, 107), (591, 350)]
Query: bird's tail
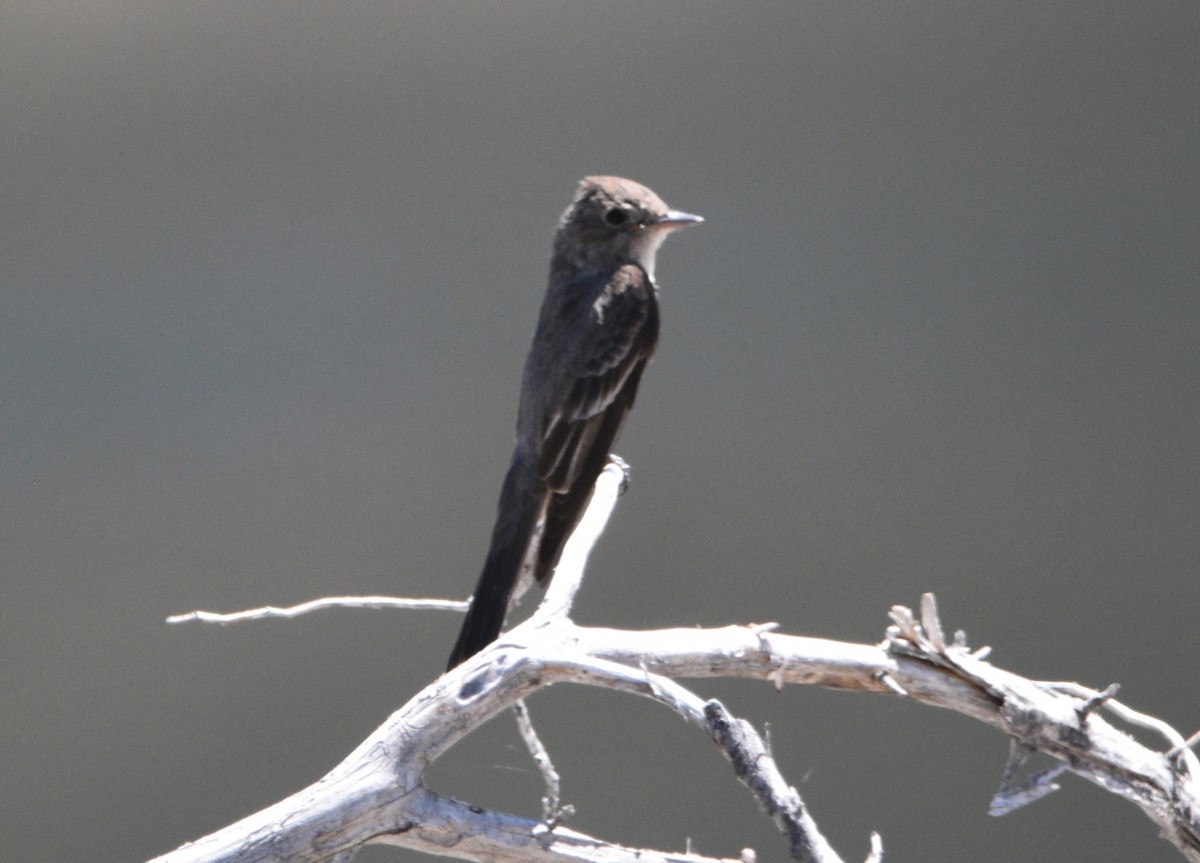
[(516, 522)]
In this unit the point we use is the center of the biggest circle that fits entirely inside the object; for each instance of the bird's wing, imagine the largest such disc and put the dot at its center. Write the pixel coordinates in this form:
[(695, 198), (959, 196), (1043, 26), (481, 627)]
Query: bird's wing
[(619, 342)]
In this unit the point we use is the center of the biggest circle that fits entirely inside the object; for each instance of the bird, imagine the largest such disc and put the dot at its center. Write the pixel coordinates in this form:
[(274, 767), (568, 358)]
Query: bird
[(597, 330)]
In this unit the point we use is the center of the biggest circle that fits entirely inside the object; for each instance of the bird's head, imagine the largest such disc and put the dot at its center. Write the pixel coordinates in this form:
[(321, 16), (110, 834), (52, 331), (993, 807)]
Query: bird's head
[(614, 219)]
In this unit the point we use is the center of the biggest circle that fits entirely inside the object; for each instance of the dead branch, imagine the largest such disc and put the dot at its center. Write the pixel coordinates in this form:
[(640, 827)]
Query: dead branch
[(377, 794)]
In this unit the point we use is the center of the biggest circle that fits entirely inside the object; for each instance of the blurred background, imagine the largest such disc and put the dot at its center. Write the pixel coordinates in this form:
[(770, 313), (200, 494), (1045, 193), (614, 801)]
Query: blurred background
[(269, 272)]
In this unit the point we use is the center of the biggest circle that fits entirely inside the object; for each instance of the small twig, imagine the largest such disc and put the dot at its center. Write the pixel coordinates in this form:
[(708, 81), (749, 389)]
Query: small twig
[(887, 680), (1011, 797), (1093, 701), (1185, 746), (757, 770), (904, 626), (1037, 786), (932, 623), (371, 602), (1133, 717), (1018, 754), (552, 809), (1179, 745)]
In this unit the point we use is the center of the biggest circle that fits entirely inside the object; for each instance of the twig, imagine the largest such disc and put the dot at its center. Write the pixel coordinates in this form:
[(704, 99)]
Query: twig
[(1182, 749), (757, 770), (1011, 797), (552, 809), (267, 611), (1092, 702)]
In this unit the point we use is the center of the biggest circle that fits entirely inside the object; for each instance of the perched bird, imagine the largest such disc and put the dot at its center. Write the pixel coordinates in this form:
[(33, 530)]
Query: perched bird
[(597, 330)]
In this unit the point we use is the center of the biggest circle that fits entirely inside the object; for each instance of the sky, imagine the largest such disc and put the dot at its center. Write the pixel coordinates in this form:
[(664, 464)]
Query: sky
[(268, 273)]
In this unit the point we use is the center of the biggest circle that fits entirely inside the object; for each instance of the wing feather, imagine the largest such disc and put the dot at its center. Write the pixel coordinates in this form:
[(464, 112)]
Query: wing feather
[(621, 341)]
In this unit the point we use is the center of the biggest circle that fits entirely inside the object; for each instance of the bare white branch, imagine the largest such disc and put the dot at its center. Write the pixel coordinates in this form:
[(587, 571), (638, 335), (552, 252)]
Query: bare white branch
[(377, 793), (366, 796), (269, 611), (568, 575), (876, 855)]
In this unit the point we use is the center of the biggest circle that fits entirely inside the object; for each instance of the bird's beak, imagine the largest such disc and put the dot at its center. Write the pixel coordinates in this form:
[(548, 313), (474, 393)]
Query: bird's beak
[(675, 219)]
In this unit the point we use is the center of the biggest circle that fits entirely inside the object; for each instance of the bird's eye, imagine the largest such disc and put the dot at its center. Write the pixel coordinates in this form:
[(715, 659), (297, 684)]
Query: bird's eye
[(615, 216)]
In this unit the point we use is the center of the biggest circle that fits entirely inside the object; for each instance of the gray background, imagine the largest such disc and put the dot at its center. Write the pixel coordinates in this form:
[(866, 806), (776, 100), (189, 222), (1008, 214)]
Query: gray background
[(269, 272)]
